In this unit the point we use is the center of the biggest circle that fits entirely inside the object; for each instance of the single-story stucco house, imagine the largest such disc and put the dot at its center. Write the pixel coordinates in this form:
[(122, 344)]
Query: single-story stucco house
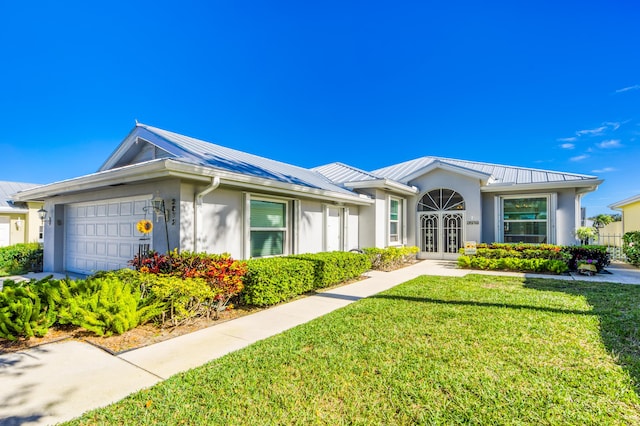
[(19, 221), (630, 208), (205, 197)]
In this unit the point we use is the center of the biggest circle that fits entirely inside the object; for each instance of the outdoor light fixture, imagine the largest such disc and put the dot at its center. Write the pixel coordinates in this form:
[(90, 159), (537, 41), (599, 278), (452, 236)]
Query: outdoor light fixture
[(19, 224), (43, 215), (158, 206)]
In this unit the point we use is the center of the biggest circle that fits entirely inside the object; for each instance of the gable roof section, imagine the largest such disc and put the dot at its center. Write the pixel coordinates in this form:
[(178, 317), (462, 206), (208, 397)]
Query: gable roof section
[(202, 153), (625, 202), (497, 176), (7, 189), (353, 178)]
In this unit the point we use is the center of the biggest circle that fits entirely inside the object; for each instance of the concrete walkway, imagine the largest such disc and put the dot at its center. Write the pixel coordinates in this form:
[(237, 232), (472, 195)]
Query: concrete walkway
[(60, 381)]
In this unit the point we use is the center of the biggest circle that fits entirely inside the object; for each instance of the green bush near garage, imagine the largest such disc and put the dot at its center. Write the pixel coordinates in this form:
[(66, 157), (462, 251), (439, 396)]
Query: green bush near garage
[(20, 259)]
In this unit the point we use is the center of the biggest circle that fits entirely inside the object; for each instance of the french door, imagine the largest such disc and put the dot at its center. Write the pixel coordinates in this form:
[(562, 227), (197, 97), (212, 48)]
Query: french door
[(441, 233)]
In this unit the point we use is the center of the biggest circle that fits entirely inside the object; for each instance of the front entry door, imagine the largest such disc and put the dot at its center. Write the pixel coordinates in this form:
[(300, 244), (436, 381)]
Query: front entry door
[(441, 234)]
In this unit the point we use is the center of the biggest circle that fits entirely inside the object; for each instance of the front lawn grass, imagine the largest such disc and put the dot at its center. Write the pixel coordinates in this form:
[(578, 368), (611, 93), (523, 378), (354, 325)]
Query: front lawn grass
[(434, 350)]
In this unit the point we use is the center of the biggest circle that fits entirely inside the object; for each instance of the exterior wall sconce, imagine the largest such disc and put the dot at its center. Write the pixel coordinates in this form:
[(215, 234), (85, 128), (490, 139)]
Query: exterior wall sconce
[(19, 224), (43, 215), (158, 206)]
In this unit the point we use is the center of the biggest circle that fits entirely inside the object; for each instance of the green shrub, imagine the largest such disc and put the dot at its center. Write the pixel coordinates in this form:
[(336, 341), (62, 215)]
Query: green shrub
[(21, 258), (335, 267), (272, 280), (631, 247), (181, 299), (597, 255), (513, 264), (104, 305), (27, 309), (390, 258), (221, 272)]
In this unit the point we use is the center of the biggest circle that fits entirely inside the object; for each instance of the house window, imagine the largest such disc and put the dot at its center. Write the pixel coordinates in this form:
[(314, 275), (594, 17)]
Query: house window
[(395, 220), (268, 232), (525, 220)]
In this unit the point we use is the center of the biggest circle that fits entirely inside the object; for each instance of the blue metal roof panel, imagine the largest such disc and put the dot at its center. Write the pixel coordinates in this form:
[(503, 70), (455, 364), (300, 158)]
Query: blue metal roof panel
[(217, 156), (7, 189), (500, 173)]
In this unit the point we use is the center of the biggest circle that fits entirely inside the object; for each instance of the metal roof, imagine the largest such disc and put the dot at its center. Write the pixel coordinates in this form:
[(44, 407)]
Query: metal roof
[(342, 173), (500, 174), (204, 153), (7, 189)]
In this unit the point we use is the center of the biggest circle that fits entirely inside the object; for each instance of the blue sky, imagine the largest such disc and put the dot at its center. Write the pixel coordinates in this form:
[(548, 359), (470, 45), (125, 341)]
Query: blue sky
[(534, 84)]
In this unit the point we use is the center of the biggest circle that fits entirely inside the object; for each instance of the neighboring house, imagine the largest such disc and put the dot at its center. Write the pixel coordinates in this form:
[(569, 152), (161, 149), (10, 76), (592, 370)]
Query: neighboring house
[(630, 208), (19, 221), (205, 197)]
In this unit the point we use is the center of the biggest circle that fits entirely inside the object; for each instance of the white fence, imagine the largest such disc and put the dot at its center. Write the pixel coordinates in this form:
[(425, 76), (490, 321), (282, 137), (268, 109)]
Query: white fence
[(614, 245)]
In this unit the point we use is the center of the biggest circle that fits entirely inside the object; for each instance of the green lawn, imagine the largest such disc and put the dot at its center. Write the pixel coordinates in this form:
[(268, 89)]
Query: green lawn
[(434, 350)]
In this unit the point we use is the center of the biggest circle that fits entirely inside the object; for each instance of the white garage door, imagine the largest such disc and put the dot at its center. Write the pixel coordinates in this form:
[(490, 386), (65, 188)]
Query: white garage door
[(5, 230), (102, 235)]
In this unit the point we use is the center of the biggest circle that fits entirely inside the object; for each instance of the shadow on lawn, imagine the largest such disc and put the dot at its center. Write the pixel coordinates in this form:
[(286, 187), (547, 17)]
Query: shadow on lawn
[(618, 309)]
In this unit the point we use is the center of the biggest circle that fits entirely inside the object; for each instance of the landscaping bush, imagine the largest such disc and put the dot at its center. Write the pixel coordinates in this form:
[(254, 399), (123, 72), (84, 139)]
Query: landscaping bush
[(104, 305), (21, 258), (276, 279), (596, 255), (390, 258), (336, 266), (26, 309), (517, 257), (513, 264), (631, 247), (222, 273)]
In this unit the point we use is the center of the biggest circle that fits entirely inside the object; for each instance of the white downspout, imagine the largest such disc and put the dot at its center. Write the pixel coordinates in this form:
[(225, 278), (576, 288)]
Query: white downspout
[(197, 203)]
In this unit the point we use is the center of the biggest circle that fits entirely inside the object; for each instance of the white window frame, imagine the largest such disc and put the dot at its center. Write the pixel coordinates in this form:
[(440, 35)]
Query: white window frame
[(286, 243), (551, 214), (400, 229)]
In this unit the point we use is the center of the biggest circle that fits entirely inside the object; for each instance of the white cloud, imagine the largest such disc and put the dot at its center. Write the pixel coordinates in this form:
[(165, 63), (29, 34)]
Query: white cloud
[(614, 124), (629, 88), (567, 146), (579, 157), (571, 139), (611, 143), (592, 132), (604, 170)]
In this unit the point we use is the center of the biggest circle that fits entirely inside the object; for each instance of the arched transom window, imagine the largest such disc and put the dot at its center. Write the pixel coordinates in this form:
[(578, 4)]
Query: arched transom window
[(441, 199)]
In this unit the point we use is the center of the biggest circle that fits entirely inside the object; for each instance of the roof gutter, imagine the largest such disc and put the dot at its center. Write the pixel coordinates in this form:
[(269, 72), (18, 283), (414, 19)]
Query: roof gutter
[(197, 204), (386, 184), (583, 186)]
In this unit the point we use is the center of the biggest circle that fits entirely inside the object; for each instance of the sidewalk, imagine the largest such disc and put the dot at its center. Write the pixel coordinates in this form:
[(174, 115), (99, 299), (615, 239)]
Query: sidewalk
[(60, 381)]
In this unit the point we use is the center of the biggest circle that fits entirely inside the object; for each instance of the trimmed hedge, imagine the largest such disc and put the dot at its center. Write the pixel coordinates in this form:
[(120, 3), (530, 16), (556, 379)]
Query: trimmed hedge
[(389, 258), (513, 264), (21, 258), (336, 266), (274, 280)]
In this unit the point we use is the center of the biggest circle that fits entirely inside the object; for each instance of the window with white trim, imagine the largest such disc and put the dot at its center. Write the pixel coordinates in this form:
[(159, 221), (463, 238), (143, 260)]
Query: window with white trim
[(526, 219), (268, 228), (395, 221)]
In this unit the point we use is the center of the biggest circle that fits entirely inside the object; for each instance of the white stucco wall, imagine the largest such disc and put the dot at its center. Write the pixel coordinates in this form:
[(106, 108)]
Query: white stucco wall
[(466, 186), (221, 226), (310, 227)]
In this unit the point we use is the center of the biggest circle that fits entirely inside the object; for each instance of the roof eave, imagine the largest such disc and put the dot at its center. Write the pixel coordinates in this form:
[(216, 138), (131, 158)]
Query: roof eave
[(582, 186), (386, 184), (618, 205), (164, 168)]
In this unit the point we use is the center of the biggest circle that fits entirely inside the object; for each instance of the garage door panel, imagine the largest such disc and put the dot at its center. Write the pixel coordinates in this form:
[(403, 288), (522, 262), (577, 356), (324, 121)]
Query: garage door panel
[(102, 235)]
